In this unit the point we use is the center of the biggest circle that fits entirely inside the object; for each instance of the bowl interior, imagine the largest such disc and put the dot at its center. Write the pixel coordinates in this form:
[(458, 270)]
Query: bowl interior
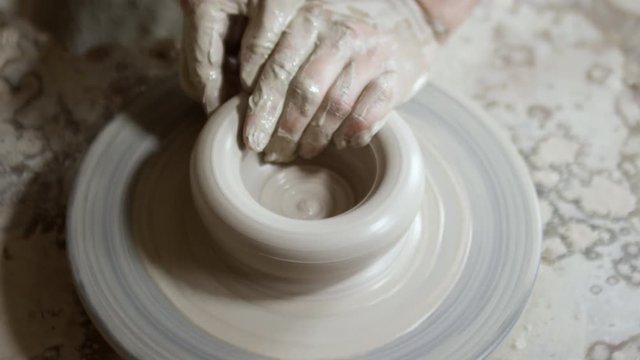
[(331, 184)]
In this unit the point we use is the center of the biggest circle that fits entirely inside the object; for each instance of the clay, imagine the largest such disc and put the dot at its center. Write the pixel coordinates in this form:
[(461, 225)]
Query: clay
[(272, 291), (362, 202), (161, 283)]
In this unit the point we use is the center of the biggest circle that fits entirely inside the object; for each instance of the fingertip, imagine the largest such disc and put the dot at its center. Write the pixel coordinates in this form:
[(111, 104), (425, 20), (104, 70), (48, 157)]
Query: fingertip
[(267, 22), (255, 139), (340, 140), (248, 65), (316, 136), (358, 133), (361, 139), (369, 113), (280, 150), (276, 157), (308, 150)]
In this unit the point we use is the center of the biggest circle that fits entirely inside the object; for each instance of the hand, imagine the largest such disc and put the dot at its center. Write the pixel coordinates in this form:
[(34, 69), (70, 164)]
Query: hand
[(335, 73), (315, 70), (213, 33)]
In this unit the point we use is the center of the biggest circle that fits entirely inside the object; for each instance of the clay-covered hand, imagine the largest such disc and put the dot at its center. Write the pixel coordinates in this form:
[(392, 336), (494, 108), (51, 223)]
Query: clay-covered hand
[(334, 73), (211, 37), (315, 70)]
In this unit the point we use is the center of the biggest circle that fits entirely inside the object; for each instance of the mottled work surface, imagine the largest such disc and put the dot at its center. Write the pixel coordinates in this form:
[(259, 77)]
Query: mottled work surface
[(562, 77)]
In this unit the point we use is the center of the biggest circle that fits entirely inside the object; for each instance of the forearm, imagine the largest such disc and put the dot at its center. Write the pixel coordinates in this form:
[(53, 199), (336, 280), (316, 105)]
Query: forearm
[(446, 15)]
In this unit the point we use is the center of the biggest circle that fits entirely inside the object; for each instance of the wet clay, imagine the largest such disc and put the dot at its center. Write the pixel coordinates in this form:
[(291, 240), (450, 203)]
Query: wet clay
[(186, 258), (363, 200), (250, 292)]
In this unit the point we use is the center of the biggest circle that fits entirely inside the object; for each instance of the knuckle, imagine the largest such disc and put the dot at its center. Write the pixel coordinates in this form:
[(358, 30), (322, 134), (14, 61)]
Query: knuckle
[(346, 34), (383, 90), (313, 9), (291, 129), (344, 38), (359, 122), (304, 94), (258, 50), (286, 129), (338, 107), (281, 69), (298, 85)]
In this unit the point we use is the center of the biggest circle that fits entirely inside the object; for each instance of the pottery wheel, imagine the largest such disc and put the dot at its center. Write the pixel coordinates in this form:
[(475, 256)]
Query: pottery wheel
[(158, 288)]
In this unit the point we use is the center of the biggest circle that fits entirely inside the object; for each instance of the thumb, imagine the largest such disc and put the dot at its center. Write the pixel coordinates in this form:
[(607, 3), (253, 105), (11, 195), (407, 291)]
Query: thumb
[(205, 26)]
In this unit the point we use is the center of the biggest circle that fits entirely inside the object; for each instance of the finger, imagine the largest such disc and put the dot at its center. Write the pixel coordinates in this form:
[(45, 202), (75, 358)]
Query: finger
[(340, 99), (267, 99), (334, 109), (202, 53), (267, 21), (309, 87), (231, 7), (368, 114)]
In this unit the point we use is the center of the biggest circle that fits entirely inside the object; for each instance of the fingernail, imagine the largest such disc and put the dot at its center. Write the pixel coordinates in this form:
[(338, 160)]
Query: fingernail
[(211, 98), (256, 138), (257, 134), (314, 140), (247, 78), (360, 139)]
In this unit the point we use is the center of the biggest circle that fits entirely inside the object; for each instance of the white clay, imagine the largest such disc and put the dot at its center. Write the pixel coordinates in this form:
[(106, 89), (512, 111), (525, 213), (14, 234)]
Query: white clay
[(431, 255), (307, 192)]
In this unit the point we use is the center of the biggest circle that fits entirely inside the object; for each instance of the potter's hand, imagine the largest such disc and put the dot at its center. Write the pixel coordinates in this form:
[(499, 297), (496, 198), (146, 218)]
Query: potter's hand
[(211, 27), (335, 72)]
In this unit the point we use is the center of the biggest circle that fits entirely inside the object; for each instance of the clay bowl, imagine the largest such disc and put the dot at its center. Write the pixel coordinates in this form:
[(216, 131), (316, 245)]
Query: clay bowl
[(320, 219)]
